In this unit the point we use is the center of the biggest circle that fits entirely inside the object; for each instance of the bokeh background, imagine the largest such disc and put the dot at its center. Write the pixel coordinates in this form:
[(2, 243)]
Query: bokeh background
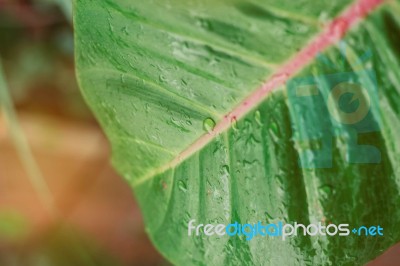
[(96, 221)]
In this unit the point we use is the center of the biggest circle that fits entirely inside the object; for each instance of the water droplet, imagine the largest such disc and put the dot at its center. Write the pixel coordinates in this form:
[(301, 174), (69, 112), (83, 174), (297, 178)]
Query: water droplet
[(249, 163), (125, 30), (225, 169), (182, 186), (213, 61), (230, 248), (234, 123), (251, 140), (274, 131), (274, 127), (268, 216), (208, 124), (147, 107), (203, 23), (326, 191), (257, 117), (162, 78)]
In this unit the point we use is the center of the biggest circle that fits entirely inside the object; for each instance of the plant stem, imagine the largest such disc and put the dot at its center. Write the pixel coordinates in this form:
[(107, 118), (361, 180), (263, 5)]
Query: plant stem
[(24, 151)]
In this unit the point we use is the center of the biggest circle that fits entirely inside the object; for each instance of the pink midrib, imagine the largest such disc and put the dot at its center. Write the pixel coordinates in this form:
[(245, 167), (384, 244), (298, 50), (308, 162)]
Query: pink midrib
[(332, 33)]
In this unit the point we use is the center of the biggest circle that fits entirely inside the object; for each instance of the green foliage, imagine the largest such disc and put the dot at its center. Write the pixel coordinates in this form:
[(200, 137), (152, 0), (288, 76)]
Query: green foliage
[(159, 75)]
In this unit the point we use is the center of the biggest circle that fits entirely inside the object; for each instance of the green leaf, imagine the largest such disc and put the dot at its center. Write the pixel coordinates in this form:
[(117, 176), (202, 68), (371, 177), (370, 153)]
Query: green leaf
[(180, 89)]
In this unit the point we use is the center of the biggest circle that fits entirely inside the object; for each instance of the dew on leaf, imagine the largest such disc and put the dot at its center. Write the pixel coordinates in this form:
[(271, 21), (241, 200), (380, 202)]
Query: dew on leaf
[(274, 131), (251, 140), (147, 107), (257, 117), (326, 191), (182, 186), (274, 127), (162, 79), (208, 124), (268, 216), (234, 123), (249, 163), (125, 30), (187, 218), (225, 169)]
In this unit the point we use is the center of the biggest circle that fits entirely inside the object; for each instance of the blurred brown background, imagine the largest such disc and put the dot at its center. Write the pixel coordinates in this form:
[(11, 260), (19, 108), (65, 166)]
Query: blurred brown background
[(98, 221)]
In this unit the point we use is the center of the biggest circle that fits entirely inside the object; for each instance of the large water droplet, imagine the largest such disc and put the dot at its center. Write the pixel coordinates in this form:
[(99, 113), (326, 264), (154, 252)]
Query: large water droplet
[(208, 124)]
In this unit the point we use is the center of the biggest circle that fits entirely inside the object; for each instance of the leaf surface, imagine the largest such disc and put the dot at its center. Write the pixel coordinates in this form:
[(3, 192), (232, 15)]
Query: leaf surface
[(180, 90)]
